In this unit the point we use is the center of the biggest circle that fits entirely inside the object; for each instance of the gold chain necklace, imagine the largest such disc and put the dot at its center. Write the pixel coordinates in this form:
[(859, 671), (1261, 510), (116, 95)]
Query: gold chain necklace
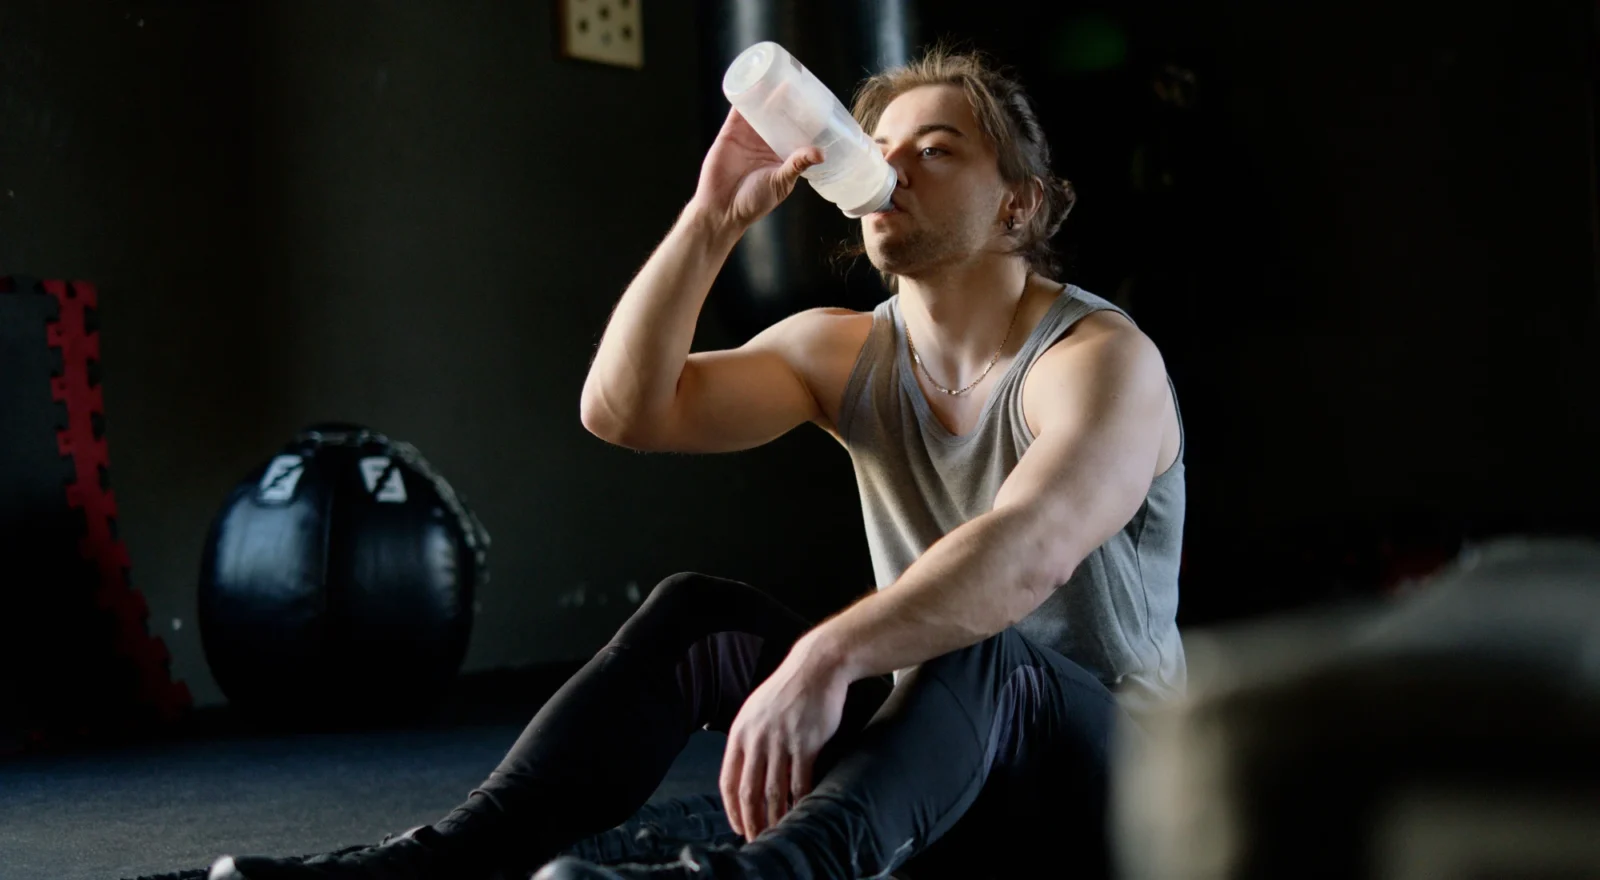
[(1016, 310)]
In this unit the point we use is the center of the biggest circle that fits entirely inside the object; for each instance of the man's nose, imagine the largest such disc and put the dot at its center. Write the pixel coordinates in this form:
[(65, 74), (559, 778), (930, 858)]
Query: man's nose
[(897, 161)]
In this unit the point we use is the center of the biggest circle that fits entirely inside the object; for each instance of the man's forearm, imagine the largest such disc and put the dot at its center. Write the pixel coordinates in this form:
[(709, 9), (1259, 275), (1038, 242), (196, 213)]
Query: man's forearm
[(973, 583), (635, 372)]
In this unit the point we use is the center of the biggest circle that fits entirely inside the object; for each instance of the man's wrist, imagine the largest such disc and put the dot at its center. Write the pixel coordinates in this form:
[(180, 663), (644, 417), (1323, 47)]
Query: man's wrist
[(826, 656), (713, 225)]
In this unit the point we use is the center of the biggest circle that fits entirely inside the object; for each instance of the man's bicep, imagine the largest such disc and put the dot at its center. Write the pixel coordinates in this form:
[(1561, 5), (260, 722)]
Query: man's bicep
[(735, 399), (745, 397), (1099, 410)]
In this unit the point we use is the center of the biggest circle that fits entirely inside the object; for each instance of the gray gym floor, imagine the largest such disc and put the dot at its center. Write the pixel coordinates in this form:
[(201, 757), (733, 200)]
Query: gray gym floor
[(176, 806)]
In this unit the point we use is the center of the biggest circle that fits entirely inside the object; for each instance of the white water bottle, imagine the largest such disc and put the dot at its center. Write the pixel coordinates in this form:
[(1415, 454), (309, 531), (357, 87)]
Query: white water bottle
[(790, 108)]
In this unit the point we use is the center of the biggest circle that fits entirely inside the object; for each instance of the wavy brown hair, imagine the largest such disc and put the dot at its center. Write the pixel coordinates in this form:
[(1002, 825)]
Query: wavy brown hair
[(1006, 116)]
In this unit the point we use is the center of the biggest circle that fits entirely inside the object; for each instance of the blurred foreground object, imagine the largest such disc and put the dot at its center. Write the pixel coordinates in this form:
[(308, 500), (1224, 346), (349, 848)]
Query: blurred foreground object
[(1450, 735)]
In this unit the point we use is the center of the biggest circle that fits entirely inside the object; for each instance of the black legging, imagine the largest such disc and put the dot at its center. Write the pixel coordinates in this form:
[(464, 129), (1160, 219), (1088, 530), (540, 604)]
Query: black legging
[(1007, 736)]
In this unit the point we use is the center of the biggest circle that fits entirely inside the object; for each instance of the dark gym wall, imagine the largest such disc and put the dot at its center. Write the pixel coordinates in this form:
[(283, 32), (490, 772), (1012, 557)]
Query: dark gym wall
[(1372, 269), (408, 214)]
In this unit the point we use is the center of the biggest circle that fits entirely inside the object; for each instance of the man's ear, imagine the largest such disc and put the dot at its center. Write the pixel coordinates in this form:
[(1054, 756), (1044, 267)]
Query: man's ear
[(1034, 197), (1024, 200)]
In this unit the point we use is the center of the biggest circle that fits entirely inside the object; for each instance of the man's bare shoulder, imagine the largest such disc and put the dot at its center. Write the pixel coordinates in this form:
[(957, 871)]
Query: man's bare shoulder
[(823, 344), (824, 332), (830, 319), (1103, 347), (1098, 336), (1103, 356)]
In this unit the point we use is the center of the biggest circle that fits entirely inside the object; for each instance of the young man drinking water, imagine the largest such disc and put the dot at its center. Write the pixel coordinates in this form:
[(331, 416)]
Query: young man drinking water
[(1019, 454)]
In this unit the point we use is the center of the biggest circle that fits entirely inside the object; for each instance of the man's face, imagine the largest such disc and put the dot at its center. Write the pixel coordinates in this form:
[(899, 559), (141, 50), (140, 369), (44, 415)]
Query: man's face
[(950, 188)]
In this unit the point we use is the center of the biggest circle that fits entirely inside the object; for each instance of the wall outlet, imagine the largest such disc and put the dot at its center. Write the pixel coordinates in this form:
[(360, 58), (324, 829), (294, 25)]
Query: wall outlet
[(607, 31)]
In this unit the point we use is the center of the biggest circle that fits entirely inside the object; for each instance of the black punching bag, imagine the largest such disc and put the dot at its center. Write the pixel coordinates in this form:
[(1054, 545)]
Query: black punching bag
[(337, 582), (784, 263)]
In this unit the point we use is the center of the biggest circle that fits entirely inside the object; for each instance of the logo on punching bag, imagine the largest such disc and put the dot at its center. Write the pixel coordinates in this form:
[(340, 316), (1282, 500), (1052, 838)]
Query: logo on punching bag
[(283, 474), (380, 469)]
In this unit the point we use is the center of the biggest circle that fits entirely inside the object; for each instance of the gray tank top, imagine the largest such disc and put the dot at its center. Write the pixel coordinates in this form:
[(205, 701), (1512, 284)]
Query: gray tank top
[(1116, 615)]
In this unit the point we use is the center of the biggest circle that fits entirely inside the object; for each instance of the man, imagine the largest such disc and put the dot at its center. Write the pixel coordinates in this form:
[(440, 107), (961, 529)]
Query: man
[(1018, 449)]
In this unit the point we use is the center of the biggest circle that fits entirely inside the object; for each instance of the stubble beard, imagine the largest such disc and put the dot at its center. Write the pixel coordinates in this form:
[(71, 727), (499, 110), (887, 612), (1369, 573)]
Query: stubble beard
[(910, 253)]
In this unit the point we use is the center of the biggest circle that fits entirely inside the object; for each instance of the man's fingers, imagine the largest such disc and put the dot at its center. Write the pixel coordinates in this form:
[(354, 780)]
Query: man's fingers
[(798, 161), (777, 785), (752, 799), (800, 776), (728, 784)]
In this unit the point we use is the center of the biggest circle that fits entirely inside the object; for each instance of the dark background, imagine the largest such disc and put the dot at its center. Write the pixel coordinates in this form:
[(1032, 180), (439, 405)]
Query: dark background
[(1363, 235)]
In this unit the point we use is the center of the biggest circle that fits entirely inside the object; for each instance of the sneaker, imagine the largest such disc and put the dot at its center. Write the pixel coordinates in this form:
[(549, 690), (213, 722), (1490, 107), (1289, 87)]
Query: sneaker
[(694, 863), (413, 855)]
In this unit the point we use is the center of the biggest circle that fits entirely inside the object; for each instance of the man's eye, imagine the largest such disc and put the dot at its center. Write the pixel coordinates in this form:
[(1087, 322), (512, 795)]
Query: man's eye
[(931, 150)]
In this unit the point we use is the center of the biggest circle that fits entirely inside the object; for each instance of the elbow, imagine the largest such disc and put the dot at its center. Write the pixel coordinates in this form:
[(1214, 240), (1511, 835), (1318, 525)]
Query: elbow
[(1058, 564), (1035, 588), (598, 418), (604, 422), (1052, 557), (595, 424)]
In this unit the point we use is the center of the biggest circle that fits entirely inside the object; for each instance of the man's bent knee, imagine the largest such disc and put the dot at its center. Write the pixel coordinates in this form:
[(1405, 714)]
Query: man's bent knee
[(669, 614), (689, 592)]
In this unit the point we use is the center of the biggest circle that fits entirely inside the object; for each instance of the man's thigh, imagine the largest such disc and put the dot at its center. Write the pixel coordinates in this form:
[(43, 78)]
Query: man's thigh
[(1043, 801)]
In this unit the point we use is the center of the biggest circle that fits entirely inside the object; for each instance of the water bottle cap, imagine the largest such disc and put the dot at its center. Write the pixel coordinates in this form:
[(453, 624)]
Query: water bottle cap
[(748, 69), (881, 199)]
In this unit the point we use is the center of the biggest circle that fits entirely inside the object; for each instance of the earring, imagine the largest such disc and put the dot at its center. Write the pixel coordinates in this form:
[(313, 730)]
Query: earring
[(1011, 223)]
